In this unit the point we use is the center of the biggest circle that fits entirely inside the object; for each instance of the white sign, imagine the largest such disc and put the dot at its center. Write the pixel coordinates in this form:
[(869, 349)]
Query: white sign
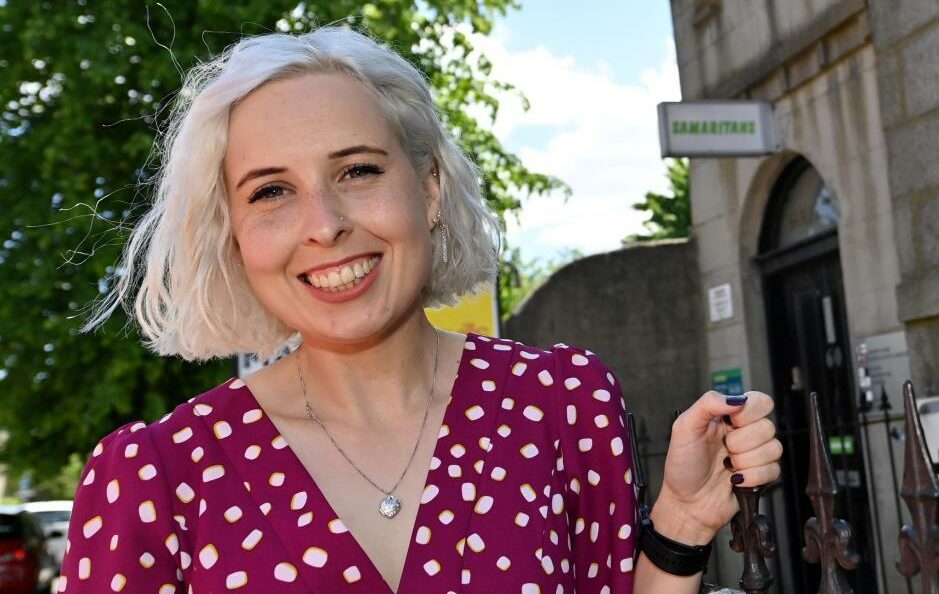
[(721, 302), (248, 363), (717, 129), (884, 364)]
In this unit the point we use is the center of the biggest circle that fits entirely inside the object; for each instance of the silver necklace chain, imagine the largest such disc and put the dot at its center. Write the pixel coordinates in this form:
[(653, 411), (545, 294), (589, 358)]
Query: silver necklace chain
[(430, 396)]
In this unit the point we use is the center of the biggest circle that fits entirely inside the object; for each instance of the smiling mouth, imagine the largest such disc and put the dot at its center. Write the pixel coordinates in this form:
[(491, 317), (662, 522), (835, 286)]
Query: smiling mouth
[(343, 277)]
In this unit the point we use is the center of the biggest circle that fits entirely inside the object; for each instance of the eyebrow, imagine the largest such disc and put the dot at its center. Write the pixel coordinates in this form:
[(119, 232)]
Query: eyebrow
[(255, 173), (352, 150)]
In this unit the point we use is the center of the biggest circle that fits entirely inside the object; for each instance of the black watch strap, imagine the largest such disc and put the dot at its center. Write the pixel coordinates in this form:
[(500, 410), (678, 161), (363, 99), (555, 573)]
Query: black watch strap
[(673, 557)]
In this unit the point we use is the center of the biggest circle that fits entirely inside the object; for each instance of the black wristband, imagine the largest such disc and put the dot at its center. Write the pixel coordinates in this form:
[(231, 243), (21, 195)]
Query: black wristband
[(673, 557)]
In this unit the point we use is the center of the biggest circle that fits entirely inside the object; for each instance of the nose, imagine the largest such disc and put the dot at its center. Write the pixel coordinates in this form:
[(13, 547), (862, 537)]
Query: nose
[(324, 221)]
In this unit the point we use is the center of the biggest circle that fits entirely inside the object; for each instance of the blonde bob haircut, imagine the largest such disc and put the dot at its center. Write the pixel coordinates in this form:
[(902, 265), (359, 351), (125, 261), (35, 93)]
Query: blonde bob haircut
[(180, 274)]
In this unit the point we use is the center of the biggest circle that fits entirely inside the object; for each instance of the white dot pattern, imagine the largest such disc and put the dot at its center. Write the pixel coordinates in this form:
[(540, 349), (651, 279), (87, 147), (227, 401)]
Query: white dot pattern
[(529, 490)]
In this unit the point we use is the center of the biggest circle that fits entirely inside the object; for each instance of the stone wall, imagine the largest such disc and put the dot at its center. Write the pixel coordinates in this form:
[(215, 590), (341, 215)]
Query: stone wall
[(726, 46), (906, 36), (639, 309)]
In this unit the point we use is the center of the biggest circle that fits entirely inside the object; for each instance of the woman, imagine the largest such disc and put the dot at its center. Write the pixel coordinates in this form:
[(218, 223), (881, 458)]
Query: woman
[(381, 455)]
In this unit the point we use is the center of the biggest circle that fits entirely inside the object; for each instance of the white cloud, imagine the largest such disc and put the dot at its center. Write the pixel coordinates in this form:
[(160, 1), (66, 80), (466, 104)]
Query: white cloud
[(598, 136)]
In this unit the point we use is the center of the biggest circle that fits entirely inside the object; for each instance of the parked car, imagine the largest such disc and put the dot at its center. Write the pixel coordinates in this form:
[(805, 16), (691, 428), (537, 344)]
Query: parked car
[(26, 565), (54, 517)]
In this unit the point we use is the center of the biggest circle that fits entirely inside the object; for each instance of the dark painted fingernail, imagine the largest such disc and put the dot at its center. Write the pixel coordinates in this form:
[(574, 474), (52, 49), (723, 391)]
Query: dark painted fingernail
[(736, 400), (736, 478), (727, 463)]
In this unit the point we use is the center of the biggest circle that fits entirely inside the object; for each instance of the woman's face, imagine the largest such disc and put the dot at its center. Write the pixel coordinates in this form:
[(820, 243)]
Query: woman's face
[(331, 220)]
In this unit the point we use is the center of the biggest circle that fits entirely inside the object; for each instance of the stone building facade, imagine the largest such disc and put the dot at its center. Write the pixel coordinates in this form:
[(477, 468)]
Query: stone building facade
[(829, 248)]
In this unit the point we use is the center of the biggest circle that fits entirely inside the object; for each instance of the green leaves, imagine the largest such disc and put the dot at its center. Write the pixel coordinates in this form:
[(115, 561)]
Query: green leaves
[(670, 215), (84, 87)]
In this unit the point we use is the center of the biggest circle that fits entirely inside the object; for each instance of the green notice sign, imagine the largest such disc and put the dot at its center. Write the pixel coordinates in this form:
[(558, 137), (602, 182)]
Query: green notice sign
[(841, 445), (728, 381), (717, 129), (713, 127)]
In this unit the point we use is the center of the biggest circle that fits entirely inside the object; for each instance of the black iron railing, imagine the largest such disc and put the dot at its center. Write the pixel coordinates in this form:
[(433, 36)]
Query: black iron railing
[(828, 538)]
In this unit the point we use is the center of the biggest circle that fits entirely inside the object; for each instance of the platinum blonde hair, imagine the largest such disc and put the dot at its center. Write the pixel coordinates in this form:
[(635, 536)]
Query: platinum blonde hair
[(192, 297)]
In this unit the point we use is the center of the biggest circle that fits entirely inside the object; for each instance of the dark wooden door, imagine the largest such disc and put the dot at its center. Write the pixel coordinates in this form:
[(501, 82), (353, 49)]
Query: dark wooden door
[(810, 351)]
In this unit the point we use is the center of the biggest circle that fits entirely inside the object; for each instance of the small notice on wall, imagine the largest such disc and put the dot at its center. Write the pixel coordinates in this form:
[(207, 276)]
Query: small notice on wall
[(721, 302), (883, 365), (728, 382)]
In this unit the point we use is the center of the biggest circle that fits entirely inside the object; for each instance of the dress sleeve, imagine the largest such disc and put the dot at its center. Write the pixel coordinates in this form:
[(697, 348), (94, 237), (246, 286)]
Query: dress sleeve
[(122, 535), (601, 498)]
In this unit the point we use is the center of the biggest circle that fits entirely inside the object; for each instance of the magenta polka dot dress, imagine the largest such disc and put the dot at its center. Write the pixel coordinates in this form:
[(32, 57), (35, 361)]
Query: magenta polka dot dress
[(529, 491)]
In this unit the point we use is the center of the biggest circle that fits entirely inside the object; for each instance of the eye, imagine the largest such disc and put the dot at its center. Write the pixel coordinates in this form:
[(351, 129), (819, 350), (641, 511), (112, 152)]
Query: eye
[(270, 192), (361, 170)]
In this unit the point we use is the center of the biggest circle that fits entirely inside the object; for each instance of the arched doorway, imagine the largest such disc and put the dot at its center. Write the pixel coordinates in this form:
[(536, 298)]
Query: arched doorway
[(810, 351)]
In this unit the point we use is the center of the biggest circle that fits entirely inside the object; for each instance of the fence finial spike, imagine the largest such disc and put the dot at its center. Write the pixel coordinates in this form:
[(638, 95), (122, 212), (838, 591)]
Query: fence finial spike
[(827, 538), (752, 536), (919, 541)]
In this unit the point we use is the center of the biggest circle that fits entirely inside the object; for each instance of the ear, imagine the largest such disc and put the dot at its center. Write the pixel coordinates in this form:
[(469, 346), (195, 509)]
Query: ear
[(433, 202)]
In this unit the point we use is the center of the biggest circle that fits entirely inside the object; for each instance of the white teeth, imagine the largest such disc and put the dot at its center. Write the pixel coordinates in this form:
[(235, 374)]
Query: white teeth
[(345, 278)]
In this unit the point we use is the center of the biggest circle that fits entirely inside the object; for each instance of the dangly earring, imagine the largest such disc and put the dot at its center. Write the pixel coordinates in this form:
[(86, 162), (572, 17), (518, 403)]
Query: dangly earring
[(444, 236)]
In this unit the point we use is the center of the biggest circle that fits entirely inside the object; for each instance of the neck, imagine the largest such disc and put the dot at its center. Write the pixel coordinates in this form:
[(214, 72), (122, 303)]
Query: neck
[(375, 382)]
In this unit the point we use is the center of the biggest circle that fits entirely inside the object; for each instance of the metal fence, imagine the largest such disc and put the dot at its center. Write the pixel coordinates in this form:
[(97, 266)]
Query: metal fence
[(828, 538)]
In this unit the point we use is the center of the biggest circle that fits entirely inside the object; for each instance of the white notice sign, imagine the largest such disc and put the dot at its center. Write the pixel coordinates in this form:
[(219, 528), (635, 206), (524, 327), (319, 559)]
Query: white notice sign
[(721, 302), (887, 364), (717, 129)]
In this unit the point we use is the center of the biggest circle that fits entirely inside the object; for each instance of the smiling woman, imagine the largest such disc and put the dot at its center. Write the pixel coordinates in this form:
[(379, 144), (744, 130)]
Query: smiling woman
[(313, 205), (182, 259), (309, 195)]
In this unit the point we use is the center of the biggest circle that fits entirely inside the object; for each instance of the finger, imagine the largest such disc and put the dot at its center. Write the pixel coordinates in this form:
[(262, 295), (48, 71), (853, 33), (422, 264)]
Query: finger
[(713, 404), (765, 454), (756, 476), (757, 406), (750, 437)]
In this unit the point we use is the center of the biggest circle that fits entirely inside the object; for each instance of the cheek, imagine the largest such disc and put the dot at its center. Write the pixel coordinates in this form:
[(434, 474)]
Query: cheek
[(401, 215), (265, 243), (409, 231)]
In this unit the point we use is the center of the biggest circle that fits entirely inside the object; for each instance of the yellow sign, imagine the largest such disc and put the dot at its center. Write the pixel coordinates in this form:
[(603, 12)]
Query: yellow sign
[(476, 312)]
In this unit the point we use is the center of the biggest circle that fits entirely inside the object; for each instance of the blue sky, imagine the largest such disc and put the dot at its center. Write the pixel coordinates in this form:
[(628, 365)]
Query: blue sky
[(593, 76), (625, 35)]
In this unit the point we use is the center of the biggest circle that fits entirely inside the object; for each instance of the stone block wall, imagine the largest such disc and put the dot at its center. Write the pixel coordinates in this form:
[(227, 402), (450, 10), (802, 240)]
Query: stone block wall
[(726, 46), (906, 37)]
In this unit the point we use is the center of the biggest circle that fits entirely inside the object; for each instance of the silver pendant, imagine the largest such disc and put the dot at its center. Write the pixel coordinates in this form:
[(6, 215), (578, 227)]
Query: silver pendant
[(389, 506)]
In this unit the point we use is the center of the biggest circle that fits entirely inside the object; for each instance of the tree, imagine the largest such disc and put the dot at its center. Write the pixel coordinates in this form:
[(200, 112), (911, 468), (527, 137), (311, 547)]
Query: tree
[(84, 88), (670, 215)]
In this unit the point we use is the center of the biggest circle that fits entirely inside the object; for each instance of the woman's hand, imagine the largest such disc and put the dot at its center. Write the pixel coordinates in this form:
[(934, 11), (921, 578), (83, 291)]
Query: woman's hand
[(707, 457)]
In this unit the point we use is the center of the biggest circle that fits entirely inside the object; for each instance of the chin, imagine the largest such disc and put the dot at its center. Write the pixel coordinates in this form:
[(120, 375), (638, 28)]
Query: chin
[(349, 332)]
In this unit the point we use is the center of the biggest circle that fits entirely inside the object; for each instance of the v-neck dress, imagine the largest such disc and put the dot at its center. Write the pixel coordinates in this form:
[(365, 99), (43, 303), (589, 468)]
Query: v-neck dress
[(529, 491)]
